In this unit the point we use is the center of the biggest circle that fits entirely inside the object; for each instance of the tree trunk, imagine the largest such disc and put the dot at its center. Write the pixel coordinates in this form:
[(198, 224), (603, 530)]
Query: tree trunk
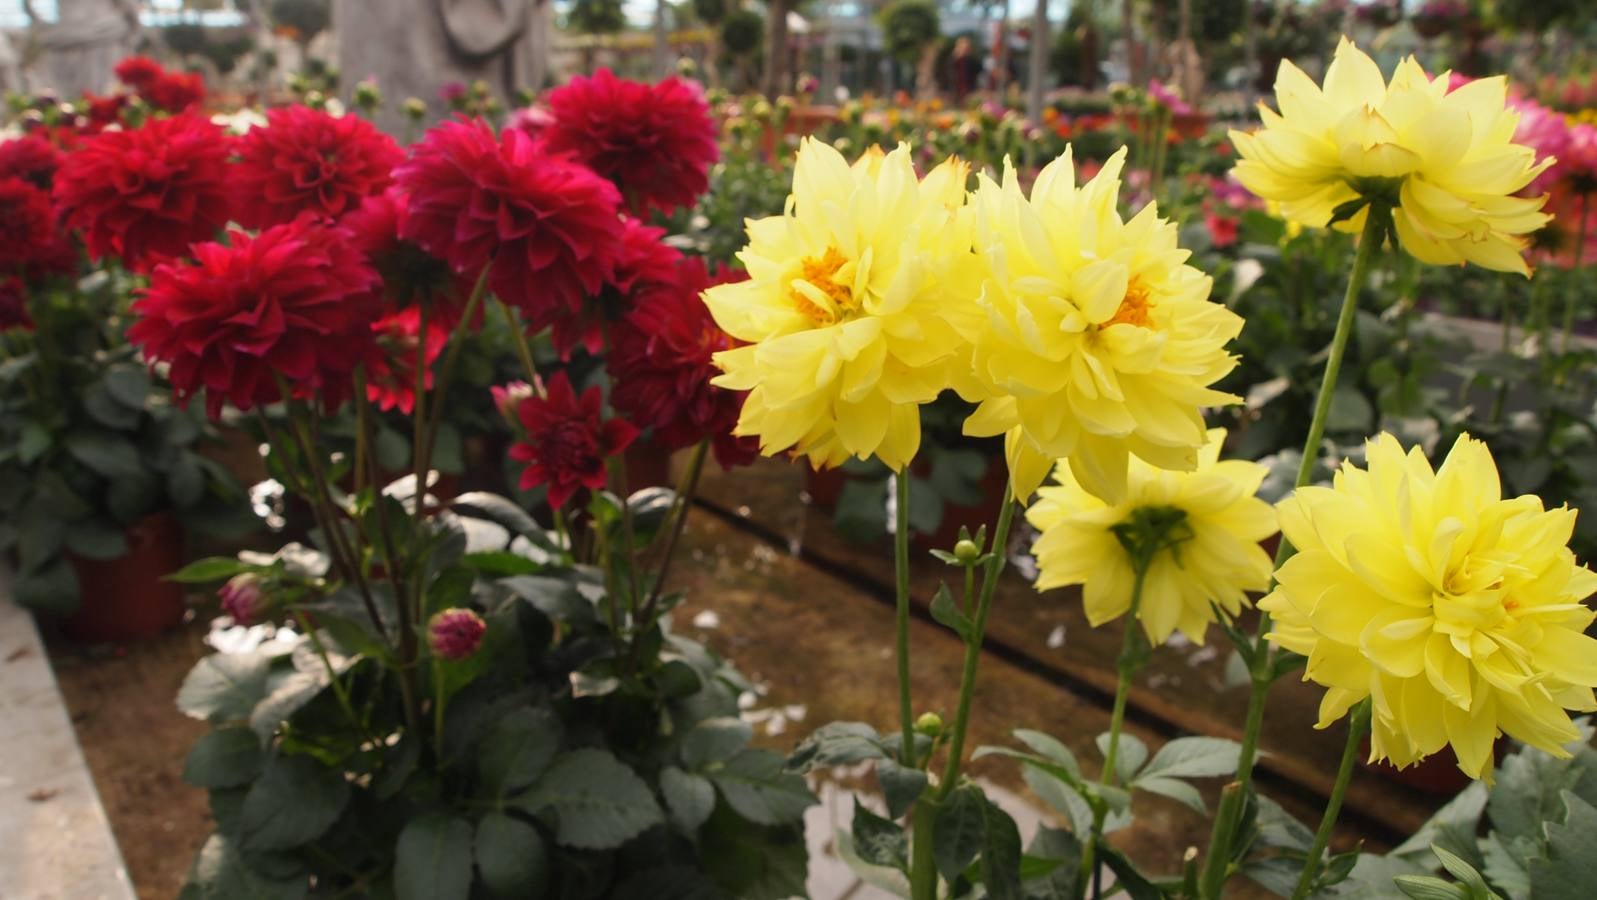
[(776, 48)]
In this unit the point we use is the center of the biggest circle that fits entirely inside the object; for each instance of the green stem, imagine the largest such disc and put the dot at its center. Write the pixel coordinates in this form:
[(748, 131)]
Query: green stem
[(518, 336), (457, 340), (1357, 723), (686, 488), (339, 691), (438, 713), (1573, 293), (419, 451), (617, 467), (1216, 867), (923, 863), (906, 712)]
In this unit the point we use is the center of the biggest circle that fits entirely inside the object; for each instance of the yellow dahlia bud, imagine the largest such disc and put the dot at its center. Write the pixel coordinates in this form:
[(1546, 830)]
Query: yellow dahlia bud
[(1206, 550), (1457, 611), (1096, 340), (845, 312), (1443, 163)]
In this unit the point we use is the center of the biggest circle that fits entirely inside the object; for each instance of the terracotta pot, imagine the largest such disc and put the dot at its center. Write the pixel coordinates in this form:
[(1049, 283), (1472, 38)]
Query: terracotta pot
[(994, 483), (125, 599)]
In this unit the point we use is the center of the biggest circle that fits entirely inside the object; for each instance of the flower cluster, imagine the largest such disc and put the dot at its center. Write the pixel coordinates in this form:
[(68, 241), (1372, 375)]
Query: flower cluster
[(161, 88)]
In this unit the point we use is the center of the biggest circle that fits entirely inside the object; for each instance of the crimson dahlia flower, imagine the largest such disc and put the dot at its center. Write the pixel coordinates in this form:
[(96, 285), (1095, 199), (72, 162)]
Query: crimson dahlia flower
[(295, 303), (304, 160), (26, 225), (548, 224), (643, 260), (30, 158), (147, 193), (655, 142), (565, 441)]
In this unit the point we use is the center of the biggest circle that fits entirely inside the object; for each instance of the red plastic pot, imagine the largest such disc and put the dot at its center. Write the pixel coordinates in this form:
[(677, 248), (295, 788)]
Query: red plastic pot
[(824, 486), (1437, 774), (126, 599)]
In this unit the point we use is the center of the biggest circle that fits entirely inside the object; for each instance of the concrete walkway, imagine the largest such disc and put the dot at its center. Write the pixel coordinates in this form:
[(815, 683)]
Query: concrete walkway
[(55, 841)]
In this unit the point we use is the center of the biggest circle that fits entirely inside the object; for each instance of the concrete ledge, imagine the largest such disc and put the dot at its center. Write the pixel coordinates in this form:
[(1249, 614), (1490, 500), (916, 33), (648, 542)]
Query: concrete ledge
[(55, 840)]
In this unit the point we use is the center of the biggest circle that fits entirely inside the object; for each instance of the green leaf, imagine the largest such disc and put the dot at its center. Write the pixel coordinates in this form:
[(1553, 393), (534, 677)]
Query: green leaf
[(33, 443), (1049, 748), (1175, 789), (224, 687), (1194, 757), (211, 568), (517, 751), (97, 539), (1506, 867), (432, 859), (1059, 794), (758, 789), (1569, 871), (597, 801), (879, 841), (715, 740), (106, 454), (1429, 887), (502, 563), (494, 508), (945, 610), (105, 410), (52, 588), (129, 385), (1129, 757), (511, 856), (959, 831), (294, 802), (1060, 852), (1453, 827), (185, 481), (226, 757), (1000, 853), (689, 798), (288, 693), (836, 744), (1464, 872), (220, 873), (901, 785)]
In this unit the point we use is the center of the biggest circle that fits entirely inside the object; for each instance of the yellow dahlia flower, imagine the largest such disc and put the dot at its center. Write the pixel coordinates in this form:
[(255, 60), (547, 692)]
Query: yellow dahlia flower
[(1446, 161), (1098, 339), (1457, 611), (1212, 554), (844, 309)]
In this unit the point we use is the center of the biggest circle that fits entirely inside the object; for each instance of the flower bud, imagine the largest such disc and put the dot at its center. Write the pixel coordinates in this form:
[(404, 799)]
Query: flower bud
[(415, 109), (929, 724), (966, 551), (367, 96), (455, 634), (508, 397), (243, 599)]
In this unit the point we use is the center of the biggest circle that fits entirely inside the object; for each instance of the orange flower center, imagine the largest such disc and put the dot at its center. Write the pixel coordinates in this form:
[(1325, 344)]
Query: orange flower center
[(821, 274), (1136, 309)]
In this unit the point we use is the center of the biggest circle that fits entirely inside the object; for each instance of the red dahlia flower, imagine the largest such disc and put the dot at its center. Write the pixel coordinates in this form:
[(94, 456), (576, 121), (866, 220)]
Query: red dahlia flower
[(548, 224), (295, 303), (661, 370), (149, 192), (304, 160), (391, 361), (655, 142), (30, 158), (26, 224), (175, 92), (410, 274), (566, 444), (642, 261), (14, 305), (139, 72)]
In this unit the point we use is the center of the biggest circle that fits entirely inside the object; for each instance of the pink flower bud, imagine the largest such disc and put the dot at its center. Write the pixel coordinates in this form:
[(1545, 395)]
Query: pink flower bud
[(243, 599), (508, 397), (455, 634)]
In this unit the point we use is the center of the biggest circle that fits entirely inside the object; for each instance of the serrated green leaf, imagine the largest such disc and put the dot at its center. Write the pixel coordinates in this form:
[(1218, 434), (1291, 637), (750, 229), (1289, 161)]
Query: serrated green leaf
[(517, 750), (226, 757), (1569, 869), (755, 784), (715, 740), (1130, 754), (294, 802), (432, 859), (1049, 748), (879, 841), (221, 873), (511, 856), (689, 798), (959, 830), (836, 744), (901, 785), (598, 802), (224, 687)]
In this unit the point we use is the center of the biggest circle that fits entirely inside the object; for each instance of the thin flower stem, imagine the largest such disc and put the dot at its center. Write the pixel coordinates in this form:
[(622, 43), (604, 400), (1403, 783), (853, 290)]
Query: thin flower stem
[(446, 372), (1127, 665), (684, 502), (438, 712), (617, 467), (420, 449), (1217, 863), (1357, 723), (518, 336), (967, 682), (339, 690), (923, 873), (906, 711)]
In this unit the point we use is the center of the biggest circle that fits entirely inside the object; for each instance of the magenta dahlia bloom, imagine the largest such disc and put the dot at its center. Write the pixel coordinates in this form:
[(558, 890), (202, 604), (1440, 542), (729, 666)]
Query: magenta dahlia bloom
[(243, 599), (565, 442), (548, 224), (655, 142)]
